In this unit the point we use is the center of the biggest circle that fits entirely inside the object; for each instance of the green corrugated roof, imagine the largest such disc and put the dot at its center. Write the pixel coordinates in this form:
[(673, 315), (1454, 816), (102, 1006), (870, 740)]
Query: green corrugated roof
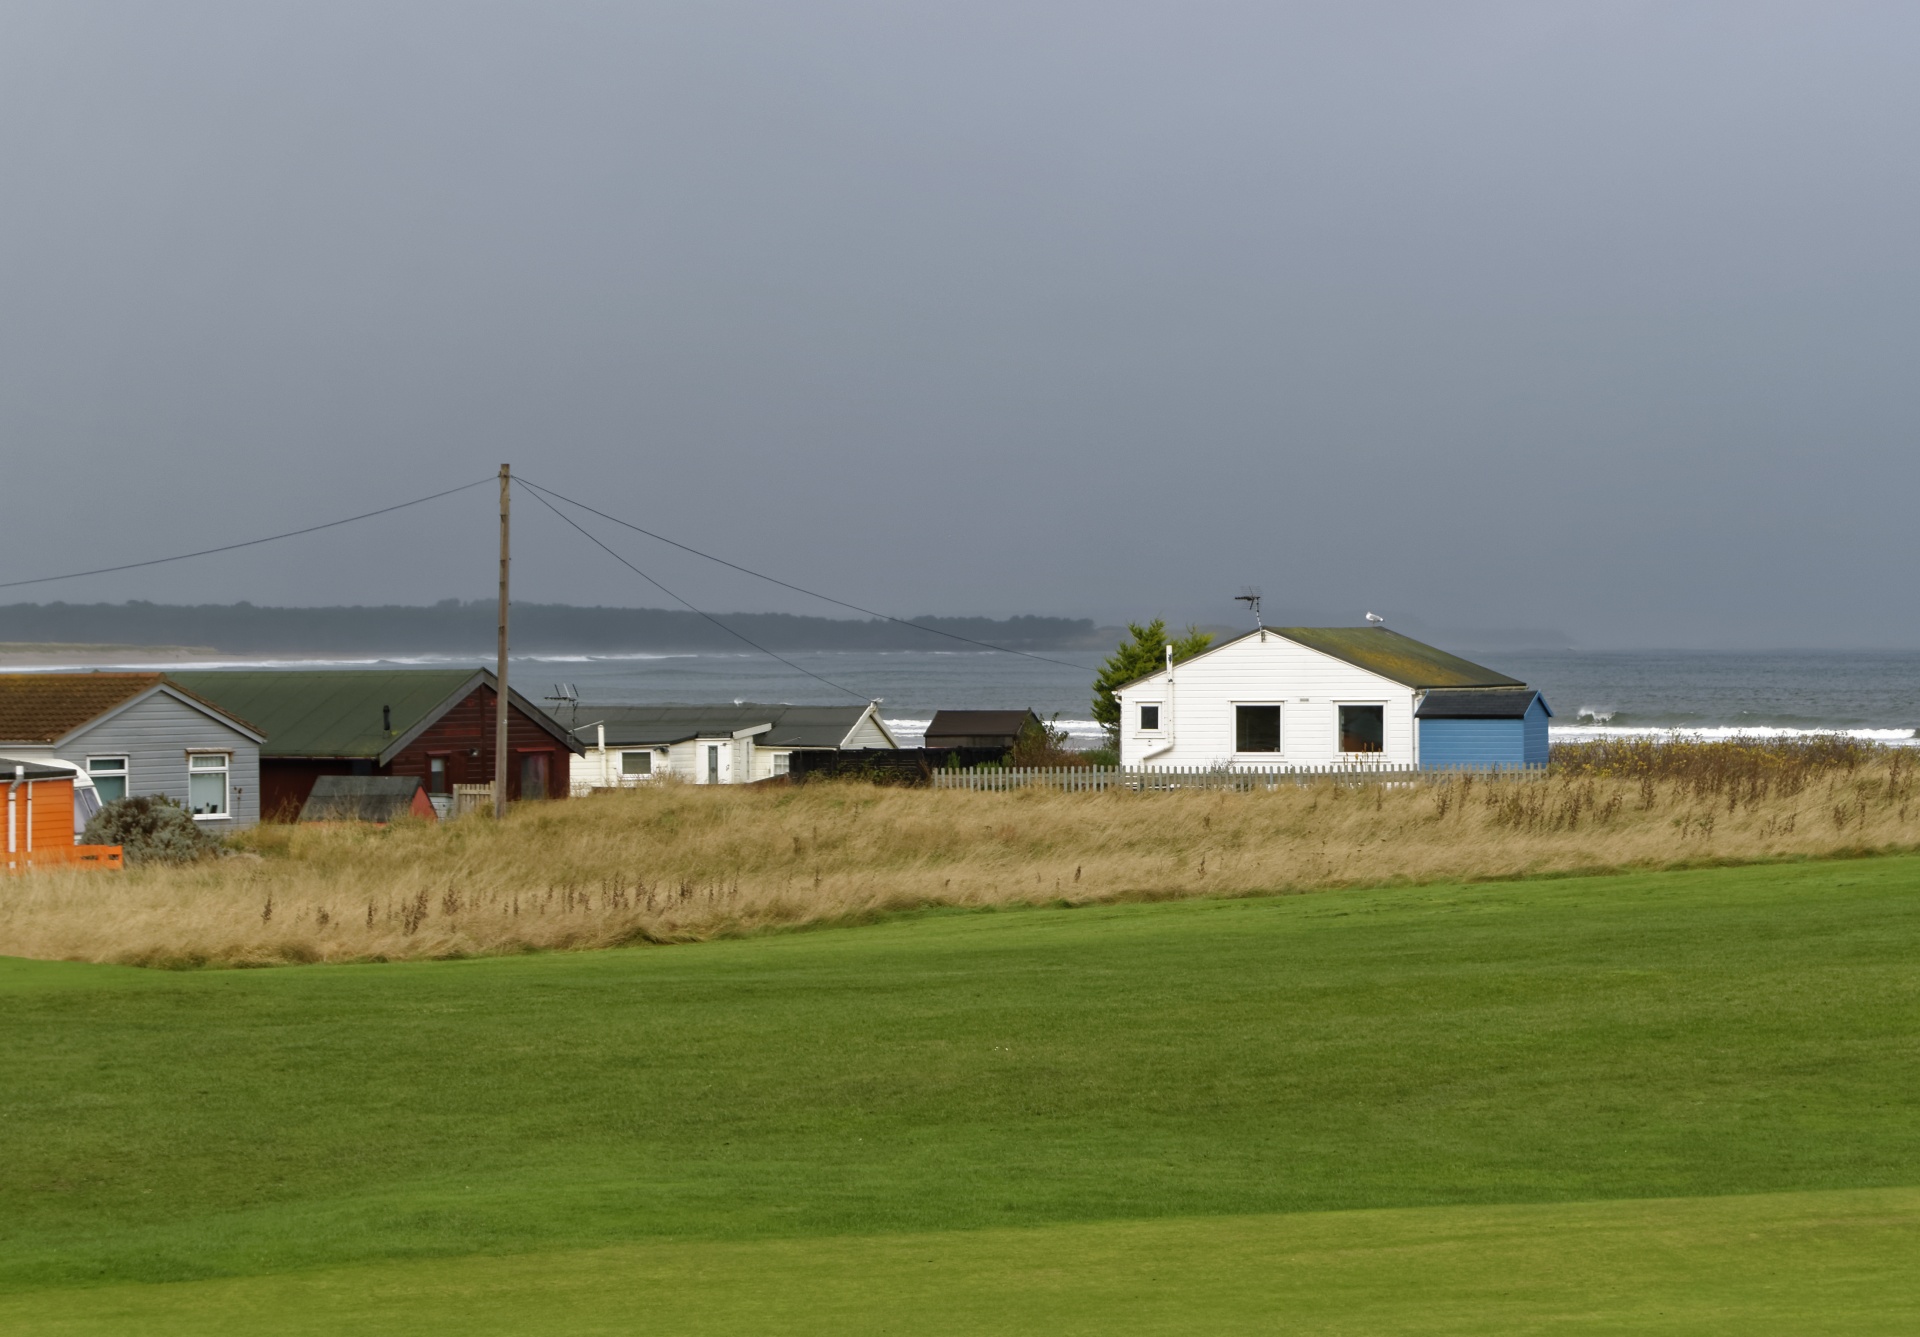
[(1397, 658), (326, 712)]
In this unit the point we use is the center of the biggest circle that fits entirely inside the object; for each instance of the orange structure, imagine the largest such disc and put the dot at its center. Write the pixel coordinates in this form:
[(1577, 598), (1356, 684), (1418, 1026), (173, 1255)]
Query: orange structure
[(40, 823)]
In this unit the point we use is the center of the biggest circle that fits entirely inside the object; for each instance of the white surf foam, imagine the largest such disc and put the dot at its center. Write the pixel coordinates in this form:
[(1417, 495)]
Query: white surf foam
[(1586, 733), (912, 731)]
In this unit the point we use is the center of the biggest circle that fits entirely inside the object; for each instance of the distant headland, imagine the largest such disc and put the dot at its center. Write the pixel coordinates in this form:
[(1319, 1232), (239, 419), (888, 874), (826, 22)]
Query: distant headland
[(453, 627)]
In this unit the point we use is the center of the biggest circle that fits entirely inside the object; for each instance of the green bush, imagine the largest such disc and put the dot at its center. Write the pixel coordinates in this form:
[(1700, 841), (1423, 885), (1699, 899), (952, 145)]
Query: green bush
[(150, 828), (1136, 658)]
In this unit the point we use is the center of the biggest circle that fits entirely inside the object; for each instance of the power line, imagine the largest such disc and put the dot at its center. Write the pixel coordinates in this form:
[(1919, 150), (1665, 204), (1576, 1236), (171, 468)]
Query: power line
[(249, 543), (858, 696), (797, 589)]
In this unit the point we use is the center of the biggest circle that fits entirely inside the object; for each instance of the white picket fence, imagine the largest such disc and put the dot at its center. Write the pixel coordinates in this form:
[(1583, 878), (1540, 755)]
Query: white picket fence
[(1144, 779)]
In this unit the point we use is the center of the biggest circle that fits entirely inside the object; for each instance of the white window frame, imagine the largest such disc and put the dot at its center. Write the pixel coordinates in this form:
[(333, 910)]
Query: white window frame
[(224, 771), (1158, 708), (1279, 751), (629, 777), (1341, 751), (124, 772)]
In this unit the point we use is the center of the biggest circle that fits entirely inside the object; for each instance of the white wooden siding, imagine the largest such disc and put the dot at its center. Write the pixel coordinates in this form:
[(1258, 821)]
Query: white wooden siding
[(1197, 714), (587, 774), (868, 733), (742, 760), (765, 761)]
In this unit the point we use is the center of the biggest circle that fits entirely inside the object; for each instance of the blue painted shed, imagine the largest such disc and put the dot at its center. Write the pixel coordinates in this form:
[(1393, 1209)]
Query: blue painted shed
[(1482, 728)]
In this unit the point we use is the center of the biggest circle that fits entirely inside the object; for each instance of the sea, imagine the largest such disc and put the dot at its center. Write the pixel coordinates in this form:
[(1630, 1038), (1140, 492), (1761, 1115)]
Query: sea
[(1872, 694)]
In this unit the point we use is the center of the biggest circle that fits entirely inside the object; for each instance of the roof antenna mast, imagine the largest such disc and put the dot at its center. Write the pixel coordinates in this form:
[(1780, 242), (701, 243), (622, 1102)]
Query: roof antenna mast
[(1250, 596), (566, 694)]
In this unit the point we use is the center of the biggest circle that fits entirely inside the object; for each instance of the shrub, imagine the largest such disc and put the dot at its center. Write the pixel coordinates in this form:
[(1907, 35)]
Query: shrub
[(1136, 658), (149, 828), (1042, 743)]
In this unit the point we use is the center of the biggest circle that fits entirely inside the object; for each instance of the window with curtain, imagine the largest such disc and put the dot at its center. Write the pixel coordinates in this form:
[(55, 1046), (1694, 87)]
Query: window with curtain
[(534, 768), (1363, 728), (207, 783)]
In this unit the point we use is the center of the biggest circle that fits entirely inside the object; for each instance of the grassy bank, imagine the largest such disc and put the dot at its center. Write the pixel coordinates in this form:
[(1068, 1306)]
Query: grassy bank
[(1805, 1263), (679, 863), (1131, 1117)]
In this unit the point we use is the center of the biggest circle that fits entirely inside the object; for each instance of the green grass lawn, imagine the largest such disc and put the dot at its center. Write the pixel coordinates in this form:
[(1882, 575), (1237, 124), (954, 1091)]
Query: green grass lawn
[(1684, 1101)]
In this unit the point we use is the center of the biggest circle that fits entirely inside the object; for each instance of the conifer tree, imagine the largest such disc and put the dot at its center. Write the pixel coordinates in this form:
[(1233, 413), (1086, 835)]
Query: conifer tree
[(1145, 653)]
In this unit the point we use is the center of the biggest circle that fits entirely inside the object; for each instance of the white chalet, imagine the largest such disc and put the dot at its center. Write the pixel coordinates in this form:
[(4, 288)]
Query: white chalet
[(711, 745), (1289, 697)]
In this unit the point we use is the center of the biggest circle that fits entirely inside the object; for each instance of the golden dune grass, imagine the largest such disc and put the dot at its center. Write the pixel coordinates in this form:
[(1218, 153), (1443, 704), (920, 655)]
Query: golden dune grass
[(678, 863)]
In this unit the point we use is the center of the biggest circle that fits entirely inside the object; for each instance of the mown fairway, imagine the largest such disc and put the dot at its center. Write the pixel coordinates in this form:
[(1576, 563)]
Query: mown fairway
[(1182, 1117)]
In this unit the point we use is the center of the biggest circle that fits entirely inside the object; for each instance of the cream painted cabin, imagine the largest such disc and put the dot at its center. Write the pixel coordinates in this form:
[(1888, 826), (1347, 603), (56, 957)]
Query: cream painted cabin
[(1291, 697), (626, 746)]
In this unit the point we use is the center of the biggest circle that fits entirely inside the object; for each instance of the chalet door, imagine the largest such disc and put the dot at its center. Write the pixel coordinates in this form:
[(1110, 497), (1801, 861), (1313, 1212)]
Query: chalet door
[(534, 768), (713, 765)]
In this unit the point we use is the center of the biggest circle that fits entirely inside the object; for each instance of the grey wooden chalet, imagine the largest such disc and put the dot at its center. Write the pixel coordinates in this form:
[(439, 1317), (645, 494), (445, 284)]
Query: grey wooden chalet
[(135, 733)]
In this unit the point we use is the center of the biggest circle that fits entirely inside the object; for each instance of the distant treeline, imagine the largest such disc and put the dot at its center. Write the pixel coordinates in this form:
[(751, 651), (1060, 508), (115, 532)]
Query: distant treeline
[(453, 627)]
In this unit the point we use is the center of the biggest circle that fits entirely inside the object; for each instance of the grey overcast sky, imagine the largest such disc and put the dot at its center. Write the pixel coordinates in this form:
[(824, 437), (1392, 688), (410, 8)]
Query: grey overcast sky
[(1599, 317)]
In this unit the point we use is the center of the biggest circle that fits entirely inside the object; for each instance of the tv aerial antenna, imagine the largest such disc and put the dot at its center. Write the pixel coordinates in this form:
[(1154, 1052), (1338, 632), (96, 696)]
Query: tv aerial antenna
[(1250, 596), (567, 694)]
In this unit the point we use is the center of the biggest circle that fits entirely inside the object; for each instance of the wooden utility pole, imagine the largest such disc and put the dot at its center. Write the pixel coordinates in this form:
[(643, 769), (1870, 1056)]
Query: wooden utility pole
[(500, 671)]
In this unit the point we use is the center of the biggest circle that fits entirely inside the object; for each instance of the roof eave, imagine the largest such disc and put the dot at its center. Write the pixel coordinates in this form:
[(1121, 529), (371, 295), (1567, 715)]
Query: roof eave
[(479, 678), (163, 688)]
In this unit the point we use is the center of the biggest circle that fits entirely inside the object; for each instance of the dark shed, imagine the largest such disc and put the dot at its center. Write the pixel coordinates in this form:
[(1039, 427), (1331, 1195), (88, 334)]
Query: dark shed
[(978, 728), (367, 798)]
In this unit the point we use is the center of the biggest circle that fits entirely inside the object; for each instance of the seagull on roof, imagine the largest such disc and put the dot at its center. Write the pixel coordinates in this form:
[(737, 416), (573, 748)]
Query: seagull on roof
[(1375, 620)]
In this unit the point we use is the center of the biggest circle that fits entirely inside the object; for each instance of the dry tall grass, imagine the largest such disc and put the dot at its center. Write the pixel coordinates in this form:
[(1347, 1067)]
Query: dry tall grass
[(678, 863)]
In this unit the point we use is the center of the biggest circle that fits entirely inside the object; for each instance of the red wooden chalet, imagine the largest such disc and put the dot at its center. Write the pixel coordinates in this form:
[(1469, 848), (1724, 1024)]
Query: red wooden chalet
[(437, 724)]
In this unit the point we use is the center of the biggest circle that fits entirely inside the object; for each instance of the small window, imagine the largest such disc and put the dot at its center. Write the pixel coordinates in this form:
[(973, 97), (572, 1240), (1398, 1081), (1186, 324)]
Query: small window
[(1363, 728), (636, 763), (713, 765), (1256, 728), (109, 777), (207, 784), (1149, 718), (782, 763), (437, 775)]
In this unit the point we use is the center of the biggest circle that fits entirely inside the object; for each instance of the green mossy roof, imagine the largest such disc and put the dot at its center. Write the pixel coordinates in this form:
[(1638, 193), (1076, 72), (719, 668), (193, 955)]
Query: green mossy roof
[(327, 712), (1397, 658)]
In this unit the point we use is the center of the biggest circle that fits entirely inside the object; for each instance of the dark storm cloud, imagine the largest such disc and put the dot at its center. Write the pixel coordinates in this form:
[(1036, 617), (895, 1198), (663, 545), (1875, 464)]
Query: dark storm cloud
[(1594, 317)]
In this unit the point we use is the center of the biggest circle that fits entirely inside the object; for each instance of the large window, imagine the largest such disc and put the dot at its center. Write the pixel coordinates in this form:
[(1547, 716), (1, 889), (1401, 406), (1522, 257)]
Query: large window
[(1256, 728), (207, 784), (109, 777), (1363, 728), (1150, 718), (636, 763)]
